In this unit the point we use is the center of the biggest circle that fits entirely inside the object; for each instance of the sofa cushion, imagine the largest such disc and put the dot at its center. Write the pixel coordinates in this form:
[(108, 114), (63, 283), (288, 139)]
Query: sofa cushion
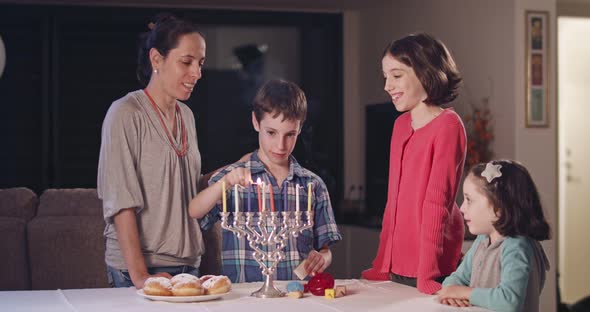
[(211, 260), (14, 265), (70, 202), (18, 202), (355, 252), (67, 252)]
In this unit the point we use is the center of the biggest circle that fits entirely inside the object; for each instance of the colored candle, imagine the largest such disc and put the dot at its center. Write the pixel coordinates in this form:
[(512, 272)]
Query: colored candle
[(223, 199), (272, 198), (259, 197), (297, 197), (309, 197), (263, 196), (285, 189), (237, 197), (249, 197)]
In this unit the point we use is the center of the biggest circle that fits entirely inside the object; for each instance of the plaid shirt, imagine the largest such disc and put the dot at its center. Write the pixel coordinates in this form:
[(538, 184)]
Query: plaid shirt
[(237, 256)]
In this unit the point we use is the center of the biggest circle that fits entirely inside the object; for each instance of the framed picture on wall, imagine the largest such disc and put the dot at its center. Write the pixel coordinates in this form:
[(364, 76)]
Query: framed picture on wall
[(537, 69)]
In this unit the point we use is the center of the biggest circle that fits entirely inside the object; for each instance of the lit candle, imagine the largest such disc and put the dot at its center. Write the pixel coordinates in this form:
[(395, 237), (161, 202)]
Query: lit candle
[(223, 199), (285, 188), (297, 197), (249, 197), (259, 197), (263, 196), (237, 196), (272, 198), (309, 196)]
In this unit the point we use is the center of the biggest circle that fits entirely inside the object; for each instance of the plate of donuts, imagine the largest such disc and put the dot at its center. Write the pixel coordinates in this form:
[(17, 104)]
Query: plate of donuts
[(185, 288), (181, 298)]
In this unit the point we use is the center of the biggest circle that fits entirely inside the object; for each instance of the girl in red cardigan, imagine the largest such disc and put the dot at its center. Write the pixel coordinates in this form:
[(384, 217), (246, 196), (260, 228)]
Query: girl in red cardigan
[(422, 230)]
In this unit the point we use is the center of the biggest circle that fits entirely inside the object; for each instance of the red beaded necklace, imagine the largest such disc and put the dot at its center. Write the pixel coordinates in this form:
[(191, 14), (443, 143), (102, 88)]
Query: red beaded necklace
[(180, 152)]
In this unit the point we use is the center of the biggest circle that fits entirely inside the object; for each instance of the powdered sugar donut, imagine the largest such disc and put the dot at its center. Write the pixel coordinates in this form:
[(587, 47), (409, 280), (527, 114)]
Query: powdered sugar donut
[(183, 277), (217, 285), (204, 278), (157, 286), (193, 288), (186, 285)]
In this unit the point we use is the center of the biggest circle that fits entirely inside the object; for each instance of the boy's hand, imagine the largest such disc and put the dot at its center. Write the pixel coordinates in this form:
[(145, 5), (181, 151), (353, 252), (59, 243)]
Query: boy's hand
[(318, 261), (315, 263), (239, 176), (245, 158)]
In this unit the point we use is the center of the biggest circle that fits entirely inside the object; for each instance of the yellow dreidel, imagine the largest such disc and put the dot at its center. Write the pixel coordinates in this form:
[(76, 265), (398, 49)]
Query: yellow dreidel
[(329, 293)]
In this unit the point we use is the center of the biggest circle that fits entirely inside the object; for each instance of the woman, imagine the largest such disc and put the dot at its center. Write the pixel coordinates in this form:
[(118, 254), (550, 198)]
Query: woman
[(422, 230), (150, 164)]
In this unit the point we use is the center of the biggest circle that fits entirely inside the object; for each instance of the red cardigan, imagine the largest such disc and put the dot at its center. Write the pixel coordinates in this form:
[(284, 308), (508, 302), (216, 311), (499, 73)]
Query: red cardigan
[(422, 229)]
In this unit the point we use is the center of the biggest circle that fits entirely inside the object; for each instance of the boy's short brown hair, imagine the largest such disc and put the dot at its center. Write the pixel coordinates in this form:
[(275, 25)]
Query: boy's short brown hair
[(278, 97)]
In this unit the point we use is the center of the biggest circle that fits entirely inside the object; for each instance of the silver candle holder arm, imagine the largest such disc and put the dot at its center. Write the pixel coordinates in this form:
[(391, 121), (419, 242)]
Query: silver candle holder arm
[(271, 232)]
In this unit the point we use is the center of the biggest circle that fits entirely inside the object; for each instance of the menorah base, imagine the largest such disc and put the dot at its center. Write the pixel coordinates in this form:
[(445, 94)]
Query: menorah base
[(267, 237), (268, 290)]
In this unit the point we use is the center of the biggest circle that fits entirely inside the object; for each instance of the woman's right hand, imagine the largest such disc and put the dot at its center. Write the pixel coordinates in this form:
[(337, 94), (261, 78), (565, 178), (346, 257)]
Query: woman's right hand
[(139, 279)]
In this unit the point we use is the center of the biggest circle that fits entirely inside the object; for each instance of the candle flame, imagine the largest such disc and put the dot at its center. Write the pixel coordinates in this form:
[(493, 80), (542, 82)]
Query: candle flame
[(258, 181)]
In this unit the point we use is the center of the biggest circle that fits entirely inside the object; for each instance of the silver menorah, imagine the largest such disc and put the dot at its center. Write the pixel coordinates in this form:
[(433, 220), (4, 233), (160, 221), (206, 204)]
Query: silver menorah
[(270, 230)]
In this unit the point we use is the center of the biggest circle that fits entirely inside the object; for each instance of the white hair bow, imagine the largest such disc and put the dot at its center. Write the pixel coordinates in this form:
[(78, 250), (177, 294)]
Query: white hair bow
[(491, 172)]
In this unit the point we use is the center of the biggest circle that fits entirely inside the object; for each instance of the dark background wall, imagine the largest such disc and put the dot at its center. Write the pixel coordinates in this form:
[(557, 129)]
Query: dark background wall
[(66, 65)]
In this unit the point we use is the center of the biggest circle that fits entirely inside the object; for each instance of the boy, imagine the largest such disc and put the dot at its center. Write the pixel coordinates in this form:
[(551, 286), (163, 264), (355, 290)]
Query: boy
[(279, 110)]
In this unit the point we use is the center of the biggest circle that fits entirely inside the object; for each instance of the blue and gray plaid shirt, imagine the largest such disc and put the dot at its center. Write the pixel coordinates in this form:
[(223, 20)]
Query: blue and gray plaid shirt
[(237, 256)]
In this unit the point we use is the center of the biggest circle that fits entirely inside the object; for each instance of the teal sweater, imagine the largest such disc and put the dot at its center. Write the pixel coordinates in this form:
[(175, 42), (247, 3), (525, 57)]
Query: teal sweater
[(505, 276)]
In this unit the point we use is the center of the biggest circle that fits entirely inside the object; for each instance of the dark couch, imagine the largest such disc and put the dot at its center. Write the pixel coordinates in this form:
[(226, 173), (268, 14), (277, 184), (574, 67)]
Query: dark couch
[(17, 207), (56, 241)]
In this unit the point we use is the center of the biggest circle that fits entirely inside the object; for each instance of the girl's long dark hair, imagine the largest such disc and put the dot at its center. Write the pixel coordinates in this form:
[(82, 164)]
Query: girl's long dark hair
[(515, 199)]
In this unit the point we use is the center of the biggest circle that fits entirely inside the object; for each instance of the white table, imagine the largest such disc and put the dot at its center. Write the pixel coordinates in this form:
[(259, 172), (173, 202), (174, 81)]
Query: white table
[(362, 296)]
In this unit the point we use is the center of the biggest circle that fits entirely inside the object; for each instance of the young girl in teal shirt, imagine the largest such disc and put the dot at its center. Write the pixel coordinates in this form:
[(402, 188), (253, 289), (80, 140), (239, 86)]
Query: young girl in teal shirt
[(504, 270)]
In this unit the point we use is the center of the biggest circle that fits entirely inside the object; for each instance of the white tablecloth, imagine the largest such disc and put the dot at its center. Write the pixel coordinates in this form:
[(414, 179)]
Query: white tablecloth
[(362, 296)]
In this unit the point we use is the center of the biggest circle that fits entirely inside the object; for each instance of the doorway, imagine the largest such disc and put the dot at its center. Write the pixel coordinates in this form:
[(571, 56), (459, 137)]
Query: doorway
[(574, 168)]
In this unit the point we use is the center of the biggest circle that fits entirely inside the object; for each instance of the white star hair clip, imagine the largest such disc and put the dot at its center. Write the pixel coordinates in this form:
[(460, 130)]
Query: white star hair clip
[(491, 172)]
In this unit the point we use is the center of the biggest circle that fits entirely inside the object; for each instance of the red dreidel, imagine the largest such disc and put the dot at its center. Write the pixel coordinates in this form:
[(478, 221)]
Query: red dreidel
[(319, 283)]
